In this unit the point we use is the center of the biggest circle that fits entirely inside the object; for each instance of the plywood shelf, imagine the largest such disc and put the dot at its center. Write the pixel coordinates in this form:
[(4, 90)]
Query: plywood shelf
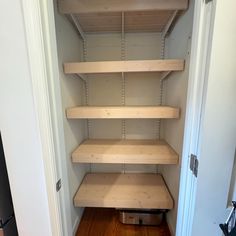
[(139, 191), (123, 66), (98, 6), (139, 16), (125, 151), (122, 112)]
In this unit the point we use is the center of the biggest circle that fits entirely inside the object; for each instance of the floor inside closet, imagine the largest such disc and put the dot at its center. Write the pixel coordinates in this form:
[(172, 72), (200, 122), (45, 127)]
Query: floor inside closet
[(105, 221)]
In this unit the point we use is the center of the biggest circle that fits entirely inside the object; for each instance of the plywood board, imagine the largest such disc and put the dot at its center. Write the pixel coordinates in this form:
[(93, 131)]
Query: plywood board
[(123, 66), (120, 112), (140, 191), (138, 21), (146, 21), (95, 6), (125, 151), (100, 22)]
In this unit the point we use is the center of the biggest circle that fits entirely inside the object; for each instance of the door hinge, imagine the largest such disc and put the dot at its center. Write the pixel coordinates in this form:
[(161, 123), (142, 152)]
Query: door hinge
[(58, 185), (207, 1), (194, 164)]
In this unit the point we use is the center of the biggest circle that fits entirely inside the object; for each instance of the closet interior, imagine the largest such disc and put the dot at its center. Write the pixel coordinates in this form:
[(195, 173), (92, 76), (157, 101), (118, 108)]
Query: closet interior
[(123, 78)]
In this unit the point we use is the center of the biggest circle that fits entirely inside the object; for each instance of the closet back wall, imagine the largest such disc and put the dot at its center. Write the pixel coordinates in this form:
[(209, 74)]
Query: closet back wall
[(140, 89)]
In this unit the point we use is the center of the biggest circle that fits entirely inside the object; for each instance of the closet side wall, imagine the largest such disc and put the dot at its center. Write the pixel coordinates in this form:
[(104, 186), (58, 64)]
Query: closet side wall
[(175, 94), (72, 89), (140, 89)]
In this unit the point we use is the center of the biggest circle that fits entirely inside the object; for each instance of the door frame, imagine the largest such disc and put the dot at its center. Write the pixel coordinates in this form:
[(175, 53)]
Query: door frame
[(41, 44), (42, 51), (198, 75)]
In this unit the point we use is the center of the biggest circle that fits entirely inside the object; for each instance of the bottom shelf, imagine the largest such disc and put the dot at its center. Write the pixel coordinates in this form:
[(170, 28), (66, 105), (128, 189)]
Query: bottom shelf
[(132, 191)]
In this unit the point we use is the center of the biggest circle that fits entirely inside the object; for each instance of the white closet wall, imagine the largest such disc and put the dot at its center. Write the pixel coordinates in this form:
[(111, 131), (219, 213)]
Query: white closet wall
[(175, 94), (72, 91)]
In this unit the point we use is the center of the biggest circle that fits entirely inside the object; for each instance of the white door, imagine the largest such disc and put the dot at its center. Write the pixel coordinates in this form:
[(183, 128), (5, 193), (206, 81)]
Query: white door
[(217, 139)]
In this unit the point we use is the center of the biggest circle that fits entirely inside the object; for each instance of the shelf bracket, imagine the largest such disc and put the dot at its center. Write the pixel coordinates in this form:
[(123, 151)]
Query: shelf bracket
[(168, 26), (80, 76), (78, 26), (164, 75)]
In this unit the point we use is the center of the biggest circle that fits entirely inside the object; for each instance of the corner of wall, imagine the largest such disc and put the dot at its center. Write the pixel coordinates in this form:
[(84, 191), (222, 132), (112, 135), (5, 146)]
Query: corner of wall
[(77, 221), (171, 226), (175, 91)]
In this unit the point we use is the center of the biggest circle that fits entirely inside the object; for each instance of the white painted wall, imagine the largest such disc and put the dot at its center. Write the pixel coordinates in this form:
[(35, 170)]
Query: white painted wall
[(218, 131), (175, 93), (69, 47), (19, 127)]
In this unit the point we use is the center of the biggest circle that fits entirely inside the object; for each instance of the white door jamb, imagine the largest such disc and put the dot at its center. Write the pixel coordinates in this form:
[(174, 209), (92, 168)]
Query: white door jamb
[(41, 45), (200, 51)]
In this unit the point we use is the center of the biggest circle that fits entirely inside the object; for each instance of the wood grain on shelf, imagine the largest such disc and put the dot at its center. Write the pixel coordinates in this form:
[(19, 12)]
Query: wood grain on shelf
[(139, 191), (138, 21), (123, 66), (125, 151), (122, 112), (97, 6)]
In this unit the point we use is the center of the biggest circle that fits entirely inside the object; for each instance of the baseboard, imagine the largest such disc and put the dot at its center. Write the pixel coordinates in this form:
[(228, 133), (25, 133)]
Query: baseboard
[(77, 221), (170, 226), (75, 226)]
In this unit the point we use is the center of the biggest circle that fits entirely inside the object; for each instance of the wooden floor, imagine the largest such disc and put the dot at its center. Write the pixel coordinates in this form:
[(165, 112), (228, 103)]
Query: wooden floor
[(105, 222)]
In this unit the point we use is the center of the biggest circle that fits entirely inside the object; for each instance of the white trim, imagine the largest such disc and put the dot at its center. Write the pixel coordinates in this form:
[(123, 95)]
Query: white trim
[(54, 106), (40, 76), (200, 50), (49, 33), (76, 225)]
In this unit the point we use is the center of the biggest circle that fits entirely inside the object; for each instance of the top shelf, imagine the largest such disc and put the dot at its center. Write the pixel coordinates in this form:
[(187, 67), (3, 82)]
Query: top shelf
[(99, 6), (123, 15)]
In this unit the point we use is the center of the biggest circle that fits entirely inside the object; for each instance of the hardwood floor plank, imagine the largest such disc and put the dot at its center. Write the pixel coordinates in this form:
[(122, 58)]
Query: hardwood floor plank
[(86, 222), (105, 222)]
